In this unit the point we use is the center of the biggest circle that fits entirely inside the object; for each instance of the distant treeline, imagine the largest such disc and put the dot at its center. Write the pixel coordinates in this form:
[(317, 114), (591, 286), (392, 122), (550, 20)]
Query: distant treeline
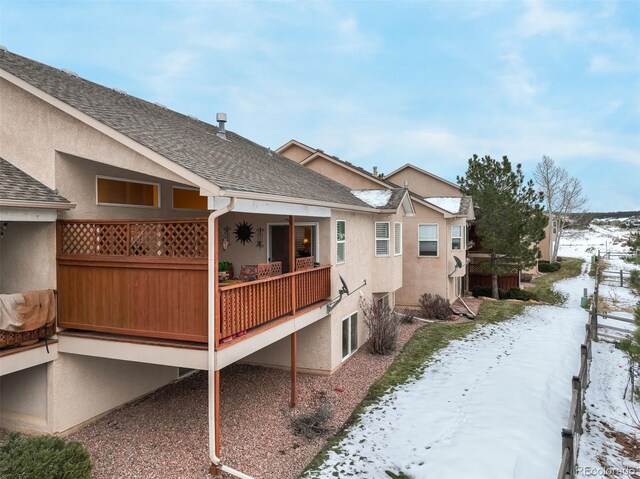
[(582, 220)]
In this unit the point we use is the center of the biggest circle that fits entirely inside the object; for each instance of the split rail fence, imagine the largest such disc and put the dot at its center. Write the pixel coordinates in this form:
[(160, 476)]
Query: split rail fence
[(594, 331)]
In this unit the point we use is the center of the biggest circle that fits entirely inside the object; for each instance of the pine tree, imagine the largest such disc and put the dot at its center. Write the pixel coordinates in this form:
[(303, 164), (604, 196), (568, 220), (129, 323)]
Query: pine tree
[(510, 218)]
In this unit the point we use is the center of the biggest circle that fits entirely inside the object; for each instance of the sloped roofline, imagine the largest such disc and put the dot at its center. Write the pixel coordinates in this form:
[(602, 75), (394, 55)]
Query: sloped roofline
[(207, 187), (293, 142), (424, 172)]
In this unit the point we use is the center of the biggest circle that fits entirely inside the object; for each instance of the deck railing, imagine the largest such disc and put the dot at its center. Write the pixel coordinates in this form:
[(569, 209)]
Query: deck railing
[(246, 305)]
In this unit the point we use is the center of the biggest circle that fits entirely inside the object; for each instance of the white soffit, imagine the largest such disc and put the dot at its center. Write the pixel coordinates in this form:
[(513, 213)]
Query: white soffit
[(10, 213), (269, 207)]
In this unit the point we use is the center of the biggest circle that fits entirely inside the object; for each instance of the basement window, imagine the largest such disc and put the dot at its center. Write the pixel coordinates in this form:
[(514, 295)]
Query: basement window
[(121, 192), (349, 335), (188, 199)]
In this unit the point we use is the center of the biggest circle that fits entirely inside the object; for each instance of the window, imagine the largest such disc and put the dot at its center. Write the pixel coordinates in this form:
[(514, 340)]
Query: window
[(397, 240), (341, 236), (382, 238), (456, 236), (383, 300), (349, 335), (428, 240), (115, 191), (188, 199)]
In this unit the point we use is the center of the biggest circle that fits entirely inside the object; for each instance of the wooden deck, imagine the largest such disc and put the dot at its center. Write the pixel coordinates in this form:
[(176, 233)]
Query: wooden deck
[(149, 279)]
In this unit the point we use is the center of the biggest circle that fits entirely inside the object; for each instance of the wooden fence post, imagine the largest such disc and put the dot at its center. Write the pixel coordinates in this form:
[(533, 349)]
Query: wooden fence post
[(621, 278), (576, 384), (567, 443)]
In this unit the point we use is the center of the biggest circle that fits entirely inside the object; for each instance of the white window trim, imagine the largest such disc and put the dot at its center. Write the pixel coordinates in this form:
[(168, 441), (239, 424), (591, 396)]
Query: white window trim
[(351, 352), (437, 240), (284, 223), (173, 188), (461, 238), (395, 253), (387, 239), (344, 241), (129, 180), (381, 298)]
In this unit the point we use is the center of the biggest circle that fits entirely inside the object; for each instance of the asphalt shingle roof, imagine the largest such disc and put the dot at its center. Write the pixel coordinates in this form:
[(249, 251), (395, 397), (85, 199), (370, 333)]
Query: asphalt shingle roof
[(16, 185), (237, 164)]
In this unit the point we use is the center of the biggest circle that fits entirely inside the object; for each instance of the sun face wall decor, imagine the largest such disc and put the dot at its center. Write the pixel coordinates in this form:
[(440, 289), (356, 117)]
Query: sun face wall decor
[(243, 232)]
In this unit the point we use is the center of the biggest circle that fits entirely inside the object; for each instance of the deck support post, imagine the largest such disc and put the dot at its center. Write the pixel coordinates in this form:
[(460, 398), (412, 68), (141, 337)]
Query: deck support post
[(217, 412), (294, 366)]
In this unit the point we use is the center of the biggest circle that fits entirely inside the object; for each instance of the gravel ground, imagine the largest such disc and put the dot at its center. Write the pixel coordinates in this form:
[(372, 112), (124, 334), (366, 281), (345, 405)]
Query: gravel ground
[(165, 433)]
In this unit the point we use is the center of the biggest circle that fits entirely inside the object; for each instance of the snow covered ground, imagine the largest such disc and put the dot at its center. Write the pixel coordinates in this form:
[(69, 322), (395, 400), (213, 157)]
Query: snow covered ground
[(607, 412), (489, 406)]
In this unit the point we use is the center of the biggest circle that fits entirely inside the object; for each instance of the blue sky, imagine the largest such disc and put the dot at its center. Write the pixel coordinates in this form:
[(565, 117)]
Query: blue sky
[(376, 83)]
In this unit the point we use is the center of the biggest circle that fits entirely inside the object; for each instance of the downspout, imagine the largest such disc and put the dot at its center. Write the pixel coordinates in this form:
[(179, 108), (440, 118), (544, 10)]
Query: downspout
[(212, 287)]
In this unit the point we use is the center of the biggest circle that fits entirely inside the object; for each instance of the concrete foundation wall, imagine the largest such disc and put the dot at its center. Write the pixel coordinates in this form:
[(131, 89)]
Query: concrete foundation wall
[(60, 395), (82, 387), (23, 400)]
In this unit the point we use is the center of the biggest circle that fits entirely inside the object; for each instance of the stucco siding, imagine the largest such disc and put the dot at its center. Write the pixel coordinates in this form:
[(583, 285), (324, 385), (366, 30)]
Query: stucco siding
[(32, 131), (422, 184), (340, 174)]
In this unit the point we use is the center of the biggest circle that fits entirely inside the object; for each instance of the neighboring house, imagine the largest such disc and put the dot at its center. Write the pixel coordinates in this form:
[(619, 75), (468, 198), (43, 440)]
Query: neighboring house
[(161, 200), (429, 240), (422, 182)]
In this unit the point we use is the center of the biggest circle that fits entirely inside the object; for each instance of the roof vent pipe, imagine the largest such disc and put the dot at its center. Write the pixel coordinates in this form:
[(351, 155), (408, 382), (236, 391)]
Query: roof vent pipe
[(375, 171), (221, 118)]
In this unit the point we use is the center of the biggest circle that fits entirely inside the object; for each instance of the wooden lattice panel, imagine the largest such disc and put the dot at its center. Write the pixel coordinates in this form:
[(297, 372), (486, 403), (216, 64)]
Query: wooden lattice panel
[(304, 263), (266, 270), (152, 239)]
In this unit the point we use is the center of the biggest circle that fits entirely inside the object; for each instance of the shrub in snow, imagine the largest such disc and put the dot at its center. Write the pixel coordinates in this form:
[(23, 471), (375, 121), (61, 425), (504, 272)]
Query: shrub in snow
[(44, 457), (434, 306), (383, 325)]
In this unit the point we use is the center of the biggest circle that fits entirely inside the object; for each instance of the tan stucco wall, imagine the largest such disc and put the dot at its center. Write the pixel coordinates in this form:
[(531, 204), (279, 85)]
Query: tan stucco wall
[(296, 153), (320, 345), (422, 184), (31, 131), (249, 253), (340, 174), (27, 257), (23, 400), (428, 274), (76, 180), (545, 244)]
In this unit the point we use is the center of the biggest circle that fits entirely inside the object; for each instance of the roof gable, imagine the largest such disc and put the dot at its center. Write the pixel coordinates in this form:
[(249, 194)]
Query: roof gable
[(18, 186), (237, 166)]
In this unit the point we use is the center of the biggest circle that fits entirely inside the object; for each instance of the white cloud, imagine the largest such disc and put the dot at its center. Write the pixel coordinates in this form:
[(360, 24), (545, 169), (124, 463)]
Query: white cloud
[(518, 80), (541, 19), (351, 39)]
